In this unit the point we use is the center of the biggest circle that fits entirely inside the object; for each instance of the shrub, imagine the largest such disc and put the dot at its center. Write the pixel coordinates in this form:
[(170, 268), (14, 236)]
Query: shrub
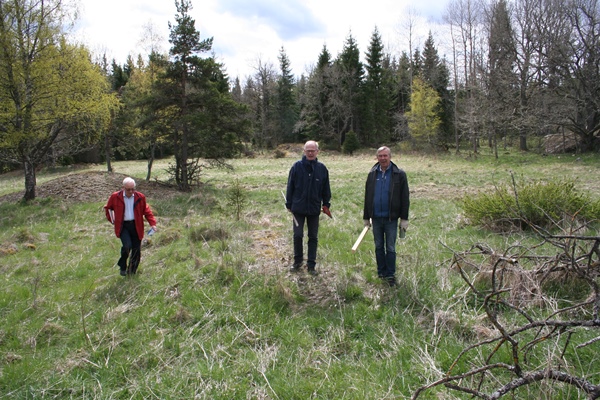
[(351, 143), (237, 199), (278, 153), (544, 204), (208, 233)]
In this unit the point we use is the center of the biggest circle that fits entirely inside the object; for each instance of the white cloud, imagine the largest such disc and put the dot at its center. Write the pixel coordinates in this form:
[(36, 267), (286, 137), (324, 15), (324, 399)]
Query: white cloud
[(246, 31)]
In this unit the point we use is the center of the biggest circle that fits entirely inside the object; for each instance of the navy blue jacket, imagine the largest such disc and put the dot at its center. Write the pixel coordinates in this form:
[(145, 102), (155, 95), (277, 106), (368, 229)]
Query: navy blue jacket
[(399, 201), (308, 187)]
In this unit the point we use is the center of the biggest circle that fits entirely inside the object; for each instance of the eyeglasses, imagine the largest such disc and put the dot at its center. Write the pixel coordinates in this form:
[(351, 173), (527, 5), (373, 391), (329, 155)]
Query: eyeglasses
[(310, 151), (129, 189)]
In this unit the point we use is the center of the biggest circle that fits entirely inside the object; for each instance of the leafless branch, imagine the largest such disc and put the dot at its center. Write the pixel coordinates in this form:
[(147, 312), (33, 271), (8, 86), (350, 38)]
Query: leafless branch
[(541, 345)]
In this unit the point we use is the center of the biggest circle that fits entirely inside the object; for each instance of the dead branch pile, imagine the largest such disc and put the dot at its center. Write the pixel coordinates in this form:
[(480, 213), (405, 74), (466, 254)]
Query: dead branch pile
[(560, 143), (538, 336)]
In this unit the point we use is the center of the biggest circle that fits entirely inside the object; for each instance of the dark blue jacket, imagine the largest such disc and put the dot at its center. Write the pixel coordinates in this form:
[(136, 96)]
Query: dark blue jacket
[(398, 202), (308, 187)]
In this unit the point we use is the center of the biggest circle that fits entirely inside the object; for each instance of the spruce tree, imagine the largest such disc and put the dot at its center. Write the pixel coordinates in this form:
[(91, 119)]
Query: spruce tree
[(376, 99), (348, 80), (286, 107), (316, 101), (436, 74), (501, 82)]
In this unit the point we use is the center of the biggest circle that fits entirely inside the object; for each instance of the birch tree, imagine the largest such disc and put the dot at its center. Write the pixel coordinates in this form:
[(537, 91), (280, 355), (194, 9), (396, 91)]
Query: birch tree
[(54, 100)]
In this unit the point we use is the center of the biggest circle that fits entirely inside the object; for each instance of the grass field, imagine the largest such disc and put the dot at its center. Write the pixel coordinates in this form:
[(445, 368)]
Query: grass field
[(214, 313)]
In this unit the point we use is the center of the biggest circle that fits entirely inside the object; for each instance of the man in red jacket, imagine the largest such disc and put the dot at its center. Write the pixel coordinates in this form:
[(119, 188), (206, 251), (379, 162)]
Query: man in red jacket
[(126, 210)]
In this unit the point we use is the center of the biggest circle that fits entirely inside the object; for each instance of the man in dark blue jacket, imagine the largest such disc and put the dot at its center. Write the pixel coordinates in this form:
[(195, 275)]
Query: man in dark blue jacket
[(386, 202), (308, 194)]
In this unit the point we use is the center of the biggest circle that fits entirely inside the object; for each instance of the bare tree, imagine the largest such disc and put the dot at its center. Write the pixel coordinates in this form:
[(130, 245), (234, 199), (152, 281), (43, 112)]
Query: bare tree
[(464, 16), (151, 39), (265, 79), (582, 73), (408, 28)]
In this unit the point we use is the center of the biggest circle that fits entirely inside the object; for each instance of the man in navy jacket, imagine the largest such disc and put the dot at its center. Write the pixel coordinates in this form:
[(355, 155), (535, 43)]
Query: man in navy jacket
[(386, 202), (308, 194)]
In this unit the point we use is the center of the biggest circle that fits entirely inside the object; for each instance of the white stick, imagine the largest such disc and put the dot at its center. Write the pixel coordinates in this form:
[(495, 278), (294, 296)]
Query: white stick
[(112, 216), (360, 238), (293, 216)]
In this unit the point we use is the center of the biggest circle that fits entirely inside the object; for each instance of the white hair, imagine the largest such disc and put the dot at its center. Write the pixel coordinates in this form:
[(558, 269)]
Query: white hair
[(128, 180), (311, 142)]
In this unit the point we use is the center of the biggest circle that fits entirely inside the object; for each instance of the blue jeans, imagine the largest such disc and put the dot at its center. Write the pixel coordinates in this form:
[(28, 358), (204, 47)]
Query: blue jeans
[(384, 234), (312, 223)]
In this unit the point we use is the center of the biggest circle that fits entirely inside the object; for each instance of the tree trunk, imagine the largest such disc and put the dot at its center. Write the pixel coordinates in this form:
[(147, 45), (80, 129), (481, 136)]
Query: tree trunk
[(29, 180), (523, 140), (185, 179), (107, 152), (151, 160), (495, 143)]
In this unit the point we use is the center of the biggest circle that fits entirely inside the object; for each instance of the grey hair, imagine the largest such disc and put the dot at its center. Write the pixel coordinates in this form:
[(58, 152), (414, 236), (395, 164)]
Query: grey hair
[(128, 180), (383, 148)]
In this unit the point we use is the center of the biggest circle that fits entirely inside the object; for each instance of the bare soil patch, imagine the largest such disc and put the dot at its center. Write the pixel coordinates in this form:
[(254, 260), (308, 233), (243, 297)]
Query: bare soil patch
[(91, 186)]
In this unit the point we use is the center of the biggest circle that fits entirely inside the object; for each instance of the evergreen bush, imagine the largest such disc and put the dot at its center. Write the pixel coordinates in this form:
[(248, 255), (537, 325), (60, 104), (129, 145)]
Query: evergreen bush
[(351, 143)]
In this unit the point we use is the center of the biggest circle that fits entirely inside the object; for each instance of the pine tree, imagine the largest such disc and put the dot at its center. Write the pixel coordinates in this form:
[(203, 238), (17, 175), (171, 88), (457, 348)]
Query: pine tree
[(193, 99)]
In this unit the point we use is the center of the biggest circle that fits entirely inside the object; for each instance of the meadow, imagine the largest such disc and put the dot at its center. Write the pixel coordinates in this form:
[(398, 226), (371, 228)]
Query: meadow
[(214, 313)]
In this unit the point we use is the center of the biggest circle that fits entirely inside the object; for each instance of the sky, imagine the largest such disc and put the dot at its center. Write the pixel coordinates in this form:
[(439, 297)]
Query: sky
[(248, 32)]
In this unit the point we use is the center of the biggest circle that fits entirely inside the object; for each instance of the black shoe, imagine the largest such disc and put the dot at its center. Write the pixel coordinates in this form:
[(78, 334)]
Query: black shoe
[(312, 271), (295, 267), (123, 272), (391, 281)]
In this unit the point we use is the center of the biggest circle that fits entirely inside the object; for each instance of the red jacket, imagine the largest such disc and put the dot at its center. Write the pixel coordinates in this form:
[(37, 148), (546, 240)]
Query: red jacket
[(140, 210)]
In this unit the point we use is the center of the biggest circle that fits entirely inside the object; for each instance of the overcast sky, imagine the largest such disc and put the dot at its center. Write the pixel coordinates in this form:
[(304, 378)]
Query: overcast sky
[(246, 31)]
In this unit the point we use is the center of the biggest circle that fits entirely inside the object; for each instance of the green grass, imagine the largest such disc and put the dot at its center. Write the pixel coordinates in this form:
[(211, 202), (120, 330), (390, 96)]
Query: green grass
[(214, 313)]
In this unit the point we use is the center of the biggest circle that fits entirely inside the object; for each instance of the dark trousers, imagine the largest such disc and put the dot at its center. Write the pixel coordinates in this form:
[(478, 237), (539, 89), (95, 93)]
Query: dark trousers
[(384, 234), (131, 244), (312, 223)]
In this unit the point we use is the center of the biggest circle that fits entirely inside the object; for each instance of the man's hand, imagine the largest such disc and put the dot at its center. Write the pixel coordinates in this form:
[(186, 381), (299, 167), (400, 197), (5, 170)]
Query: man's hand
[(367, 223), (404, 224), (326, 211)]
